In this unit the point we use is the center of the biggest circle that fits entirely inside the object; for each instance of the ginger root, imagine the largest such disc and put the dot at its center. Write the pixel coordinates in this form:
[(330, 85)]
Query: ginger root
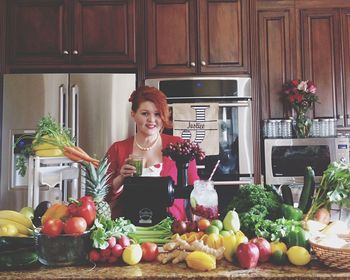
[(197, 245), (175, 256)]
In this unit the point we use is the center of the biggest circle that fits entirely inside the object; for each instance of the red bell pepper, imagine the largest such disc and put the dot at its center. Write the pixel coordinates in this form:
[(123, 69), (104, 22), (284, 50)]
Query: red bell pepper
[(83, 207)]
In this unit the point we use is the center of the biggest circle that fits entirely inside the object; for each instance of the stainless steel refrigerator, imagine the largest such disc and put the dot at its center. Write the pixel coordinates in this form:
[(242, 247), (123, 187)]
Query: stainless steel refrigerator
[(94, 106)]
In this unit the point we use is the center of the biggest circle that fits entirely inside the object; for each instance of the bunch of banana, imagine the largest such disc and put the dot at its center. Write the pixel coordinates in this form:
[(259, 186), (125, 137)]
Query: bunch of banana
[(13, 223)]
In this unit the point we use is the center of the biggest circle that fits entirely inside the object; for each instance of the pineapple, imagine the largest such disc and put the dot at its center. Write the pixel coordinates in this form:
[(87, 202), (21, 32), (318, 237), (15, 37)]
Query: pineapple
[(97, 186)]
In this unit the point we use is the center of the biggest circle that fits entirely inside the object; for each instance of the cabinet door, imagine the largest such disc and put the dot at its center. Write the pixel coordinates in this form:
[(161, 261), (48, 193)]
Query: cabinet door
[(320, 53), (104, 32), (275, 32), (171, 36), (345, 27), (224, 33), (38, 31)]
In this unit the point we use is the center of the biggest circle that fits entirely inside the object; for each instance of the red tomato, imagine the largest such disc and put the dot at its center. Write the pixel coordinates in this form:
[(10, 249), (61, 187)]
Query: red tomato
[(149, 251), (75, 225), (53, 227)]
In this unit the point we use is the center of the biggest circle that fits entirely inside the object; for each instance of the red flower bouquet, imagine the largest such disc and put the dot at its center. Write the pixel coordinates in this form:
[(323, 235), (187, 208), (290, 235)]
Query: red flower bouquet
[(301, 95)]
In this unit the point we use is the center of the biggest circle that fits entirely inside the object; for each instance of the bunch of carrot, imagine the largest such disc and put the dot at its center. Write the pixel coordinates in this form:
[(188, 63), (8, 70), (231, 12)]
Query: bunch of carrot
[(77, 154)]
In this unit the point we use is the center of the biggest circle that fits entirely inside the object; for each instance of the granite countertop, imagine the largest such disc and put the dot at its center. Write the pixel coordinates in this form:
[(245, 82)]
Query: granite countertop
[(224, 270)]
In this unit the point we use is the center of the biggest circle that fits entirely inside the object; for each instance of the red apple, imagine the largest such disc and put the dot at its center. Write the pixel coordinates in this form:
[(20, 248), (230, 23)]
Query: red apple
[(264, 247), (247, 255)]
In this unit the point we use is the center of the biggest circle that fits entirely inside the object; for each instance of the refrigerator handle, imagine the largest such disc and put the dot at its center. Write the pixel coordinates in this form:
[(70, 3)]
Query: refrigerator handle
[(74, 125), (63, 97)]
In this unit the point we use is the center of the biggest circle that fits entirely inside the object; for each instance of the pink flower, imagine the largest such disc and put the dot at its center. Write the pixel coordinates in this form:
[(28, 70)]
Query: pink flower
[(311, 86)]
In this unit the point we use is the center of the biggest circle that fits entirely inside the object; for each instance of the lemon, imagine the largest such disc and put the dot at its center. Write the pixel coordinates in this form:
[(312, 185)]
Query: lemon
[(298, 255), (132, 254), (278, 246)]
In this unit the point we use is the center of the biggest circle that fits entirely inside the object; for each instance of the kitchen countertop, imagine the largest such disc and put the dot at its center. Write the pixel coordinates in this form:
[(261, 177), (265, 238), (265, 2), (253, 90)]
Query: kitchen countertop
[(225, 270)]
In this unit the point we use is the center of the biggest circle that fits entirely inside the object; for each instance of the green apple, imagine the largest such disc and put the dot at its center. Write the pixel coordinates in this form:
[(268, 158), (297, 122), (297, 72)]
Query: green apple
[(28, 212)]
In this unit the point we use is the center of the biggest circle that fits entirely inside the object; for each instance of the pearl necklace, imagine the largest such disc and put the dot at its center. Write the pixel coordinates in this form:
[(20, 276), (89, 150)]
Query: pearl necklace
[(147, 148)]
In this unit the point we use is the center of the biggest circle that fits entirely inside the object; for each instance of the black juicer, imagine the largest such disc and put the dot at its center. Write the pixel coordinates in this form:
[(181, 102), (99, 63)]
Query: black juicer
[(146, 199)]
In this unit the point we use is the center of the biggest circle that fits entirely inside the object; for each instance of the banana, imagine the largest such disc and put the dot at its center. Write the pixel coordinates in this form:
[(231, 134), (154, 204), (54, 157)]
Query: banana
[(21, 228), (16, 217)]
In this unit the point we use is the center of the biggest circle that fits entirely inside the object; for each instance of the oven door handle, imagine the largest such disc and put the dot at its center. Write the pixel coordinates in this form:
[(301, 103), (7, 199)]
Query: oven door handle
[(239, 103), (229, 183)]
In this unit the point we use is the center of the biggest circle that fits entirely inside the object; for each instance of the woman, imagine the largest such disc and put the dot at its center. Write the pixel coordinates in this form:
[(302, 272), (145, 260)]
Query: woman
[(150, 112)]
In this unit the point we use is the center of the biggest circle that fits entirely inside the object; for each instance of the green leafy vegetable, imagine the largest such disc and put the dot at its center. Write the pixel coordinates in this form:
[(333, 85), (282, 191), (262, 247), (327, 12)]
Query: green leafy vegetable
[(103, 229), (255, 205)]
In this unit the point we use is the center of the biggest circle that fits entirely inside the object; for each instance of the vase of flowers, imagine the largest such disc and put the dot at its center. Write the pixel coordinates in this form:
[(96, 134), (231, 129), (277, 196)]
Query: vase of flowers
[(301, 95)]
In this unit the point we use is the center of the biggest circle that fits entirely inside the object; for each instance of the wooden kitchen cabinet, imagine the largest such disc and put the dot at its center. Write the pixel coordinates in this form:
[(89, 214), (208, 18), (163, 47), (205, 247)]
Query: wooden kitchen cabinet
[(197, 37), (71, 32), (276, 57), (320, 34)]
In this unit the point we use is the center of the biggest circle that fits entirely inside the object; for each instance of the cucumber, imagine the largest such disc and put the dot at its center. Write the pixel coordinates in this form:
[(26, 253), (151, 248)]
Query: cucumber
[(308, 190), (18, 258), (287, 195)]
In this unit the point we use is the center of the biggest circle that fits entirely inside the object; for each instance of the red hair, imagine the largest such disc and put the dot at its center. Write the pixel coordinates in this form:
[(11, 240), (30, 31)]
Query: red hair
[(154, 95)]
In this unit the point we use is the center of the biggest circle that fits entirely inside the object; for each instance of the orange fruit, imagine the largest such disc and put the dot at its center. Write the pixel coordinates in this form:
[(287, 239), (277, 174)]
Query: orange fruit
[(202, 224)]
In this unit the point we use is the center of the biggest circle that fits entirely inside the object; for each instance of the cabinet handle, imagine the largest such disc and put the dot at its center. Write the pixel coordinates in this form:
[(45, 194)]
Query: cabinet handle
[(193, 64), (75, 52), (65, 52), (203, 63)]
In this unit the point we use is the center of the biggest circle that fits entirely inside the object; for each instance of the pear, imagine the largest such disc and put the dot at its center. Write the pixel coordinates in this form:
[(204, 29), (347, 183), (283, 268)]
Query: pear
[(231, 221)]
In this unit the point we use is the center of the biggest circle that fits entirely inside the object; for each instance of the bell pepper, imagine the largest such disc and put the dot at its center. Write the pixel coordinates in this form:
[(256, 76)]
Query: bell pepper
[(83, 207), (297, 237), (291, 213), (56, 211)]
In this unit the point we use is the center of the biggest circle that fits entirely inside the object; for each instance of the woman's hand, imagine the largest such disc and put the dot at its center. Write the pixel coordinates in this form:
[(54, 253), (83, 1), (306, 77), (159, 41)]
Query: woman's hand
[(127, 169)]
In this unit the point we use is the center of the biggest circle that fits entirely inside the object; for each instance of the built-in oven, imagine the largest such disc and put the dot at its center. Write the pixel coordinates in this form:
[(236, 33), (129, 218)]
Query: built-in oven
[(234, 119)]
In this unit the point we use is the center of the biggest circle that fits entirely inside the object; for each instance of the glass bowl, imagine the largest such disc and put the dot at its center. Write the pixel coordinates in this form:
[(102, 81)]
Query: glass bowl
[(62, 250)]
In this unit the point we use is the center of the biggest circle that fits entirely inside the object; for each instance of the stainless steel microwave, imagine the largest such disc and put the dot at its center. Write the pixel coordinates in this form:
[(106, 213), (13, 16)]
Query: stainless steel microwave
[(286, 159)]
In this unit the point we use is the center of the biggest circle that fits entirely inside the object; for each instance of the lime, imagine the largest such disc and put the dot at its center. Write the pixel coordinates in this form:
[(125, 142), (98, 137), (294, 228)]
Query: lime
[(212, 229), (218, 224), (298, 255), (279, 257), (132, 254)]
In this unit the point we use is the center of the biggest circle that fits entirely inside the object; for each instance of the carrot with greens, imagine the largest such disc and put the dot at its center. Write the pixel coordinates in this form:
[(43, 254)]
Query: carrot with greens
[(73, 152)]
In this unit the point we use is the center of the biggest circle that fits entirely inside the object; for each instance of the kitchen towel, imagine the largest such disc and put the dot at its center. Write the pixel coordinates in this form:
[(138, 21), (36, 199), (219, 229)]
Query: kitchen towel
[(198, 122)]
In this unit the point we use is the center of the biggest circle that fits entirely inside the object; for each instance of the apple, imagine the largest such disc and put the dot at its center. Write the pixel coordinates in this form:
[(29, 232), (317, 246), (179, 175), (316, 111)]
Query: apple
[(247, 255), (264, 247)]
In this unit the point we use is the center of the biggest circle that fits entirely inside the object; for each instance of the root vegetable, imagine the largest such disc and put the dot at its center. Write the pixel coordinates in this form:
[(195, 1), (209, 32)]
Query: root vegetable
[(323, 216), (175, 256)]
